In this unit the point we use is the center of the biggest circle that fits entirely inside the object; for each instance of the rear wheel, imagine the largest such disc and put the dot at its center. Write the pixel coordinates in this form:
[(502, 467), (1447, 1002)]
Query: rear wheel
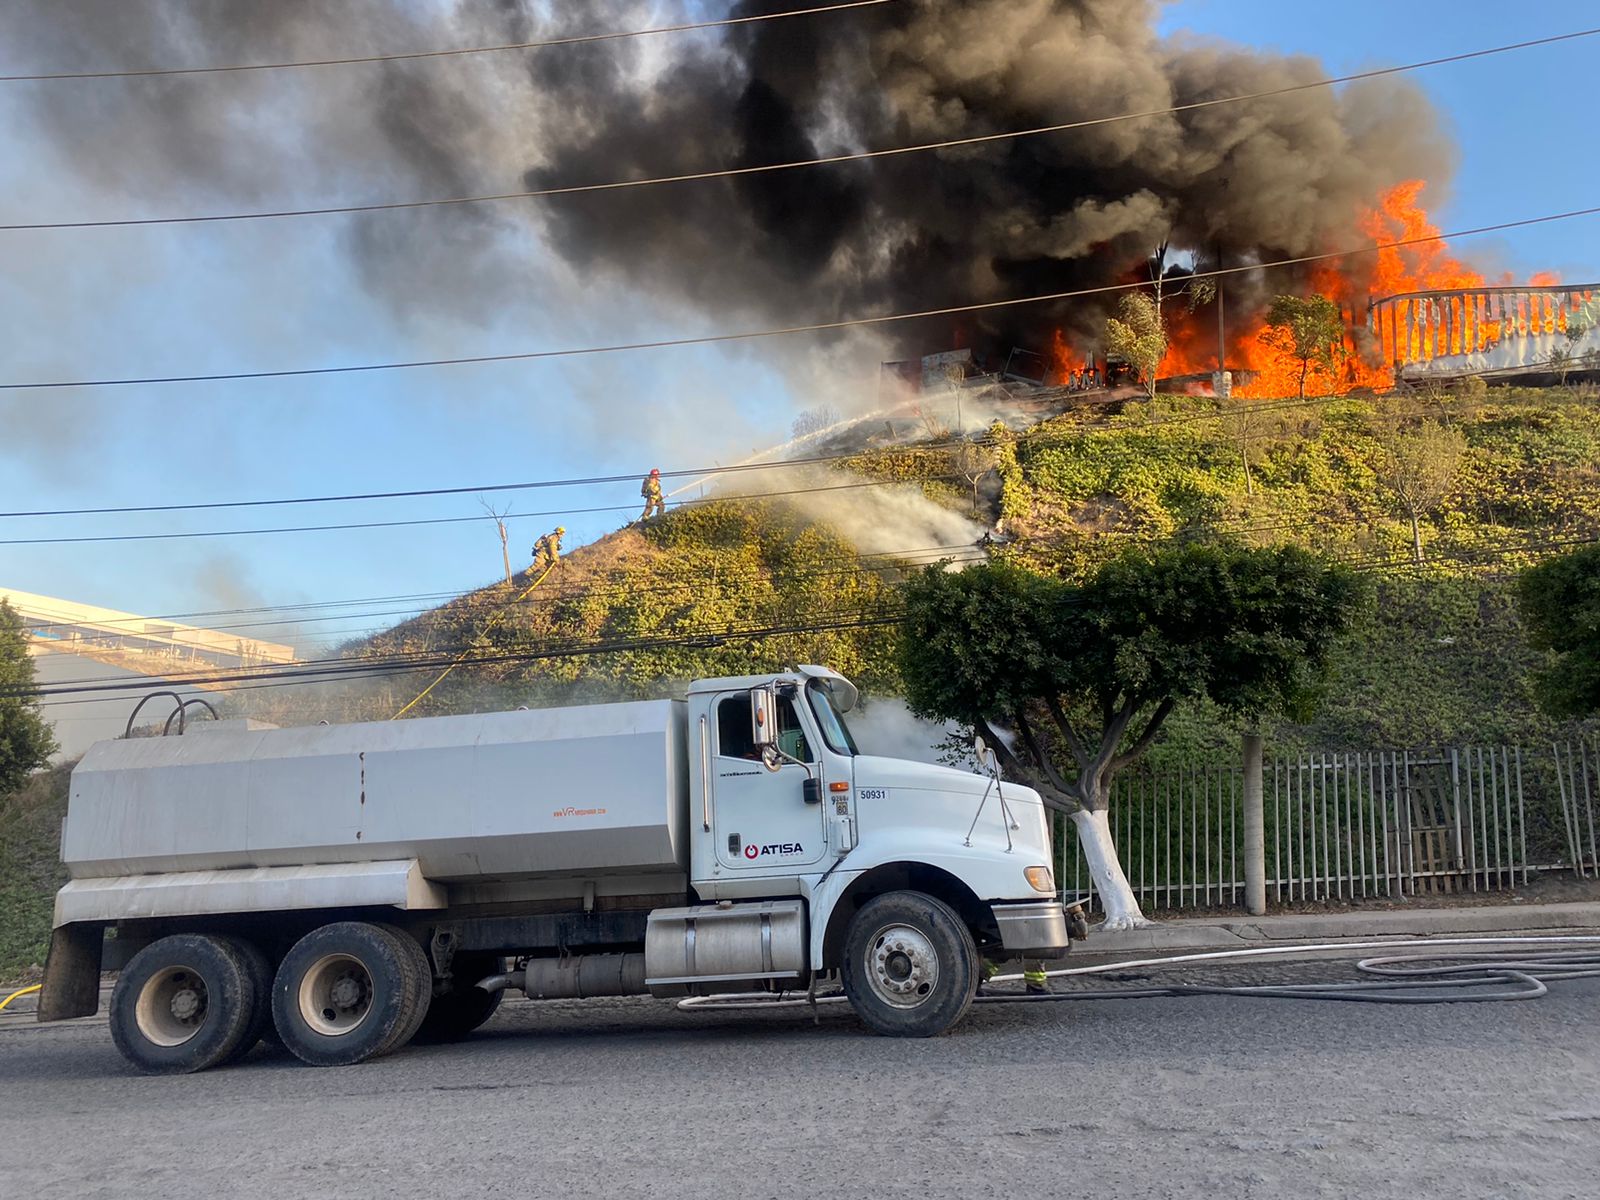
[(184, 1003), (910, 966), (259, 968), (456, 1013), (348, 992)]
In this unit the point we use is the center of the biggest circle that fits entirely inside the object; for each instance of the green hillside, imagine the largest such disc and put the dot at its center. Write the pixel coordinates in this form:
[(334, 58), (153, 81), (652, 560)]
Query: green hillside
[(1440, 659)]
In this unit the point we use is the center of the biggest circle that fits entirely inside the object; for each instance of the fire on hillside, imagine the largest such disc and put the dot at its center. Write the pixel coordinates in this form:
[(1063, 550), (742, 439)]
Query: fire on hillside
[(1410, 311)]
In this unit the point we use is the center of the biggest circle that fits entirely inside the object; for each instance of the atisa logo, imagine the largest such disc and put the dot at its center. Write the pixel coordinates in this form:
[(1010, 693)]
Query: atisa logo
[(753, 851)]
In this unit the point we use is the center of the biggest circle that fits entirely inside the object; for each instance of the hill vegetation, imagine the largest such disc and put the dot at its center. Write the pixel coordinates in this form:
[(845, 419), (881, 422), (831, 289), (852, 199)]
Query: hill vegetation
[(1440, 658)]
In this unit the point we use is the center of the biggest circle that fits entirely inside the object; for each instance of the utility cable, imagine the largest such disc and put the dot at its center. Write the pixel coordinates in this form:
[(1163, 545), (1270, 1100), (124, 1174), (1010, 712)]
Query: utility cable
[(582, 481), (791, 330), (415, 521), (411, 56), (359, 669), (822, 160)]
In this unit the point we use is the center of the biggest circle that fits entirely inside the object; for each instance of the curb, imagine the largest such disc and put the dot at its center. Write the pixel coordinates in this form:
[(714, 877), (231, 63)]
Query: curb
[(1242, 934)]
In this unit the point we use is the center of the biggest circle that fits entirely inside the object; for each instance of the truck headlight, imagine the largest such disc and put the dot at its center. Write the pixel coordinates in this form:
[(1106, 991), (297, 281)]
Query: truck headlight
[(1040, 879)]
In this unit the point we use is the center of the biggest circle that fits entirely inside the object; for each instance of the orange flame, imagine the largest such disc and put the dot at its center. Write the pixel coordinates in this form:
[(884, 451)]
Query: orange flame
[(1264, 370)]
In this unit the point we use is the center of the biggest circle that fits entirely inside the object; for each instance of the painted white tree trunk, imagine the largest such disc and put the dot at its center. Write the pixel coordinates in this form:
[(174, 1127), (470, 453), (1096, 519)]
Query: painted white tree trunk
[(1094, 835)]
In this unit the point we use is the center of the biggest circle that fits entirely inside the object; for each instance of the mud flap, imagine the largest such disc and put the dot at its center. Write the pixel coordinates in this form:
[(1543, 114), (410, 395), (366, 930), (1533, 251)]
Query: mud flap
[(72, 973)]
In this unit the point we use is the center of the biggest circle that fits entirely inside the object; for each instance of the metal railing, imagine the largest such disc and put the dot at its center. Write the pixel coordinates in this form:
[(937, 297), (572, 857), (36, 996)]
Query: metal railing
[(1337, 827), (1577, 773)]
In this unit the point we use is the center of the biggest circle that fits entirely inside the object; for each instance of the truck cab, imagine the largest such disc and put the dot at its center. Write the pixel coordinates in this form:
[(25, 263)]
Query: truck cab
[(358, 886)]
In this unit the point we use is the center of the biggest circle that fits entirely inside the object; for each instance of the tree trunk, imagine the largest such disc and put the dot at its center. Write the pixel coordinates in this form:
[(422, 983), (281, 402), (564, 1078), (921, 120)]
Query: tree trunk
[(1416, 537), (1094, 835), (1305, 365), (1249, 484)]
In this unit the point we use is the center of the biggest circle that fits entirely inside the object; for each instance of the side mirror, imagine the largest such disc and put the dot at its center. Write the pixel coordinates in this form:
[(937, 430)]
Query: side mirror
[(811, 790), (763, 717)]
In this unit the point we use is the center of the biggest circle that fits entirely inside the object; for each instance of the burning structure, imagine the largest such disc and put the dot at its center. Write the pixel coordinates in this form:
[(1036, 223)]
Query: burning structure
[(1490, 330)]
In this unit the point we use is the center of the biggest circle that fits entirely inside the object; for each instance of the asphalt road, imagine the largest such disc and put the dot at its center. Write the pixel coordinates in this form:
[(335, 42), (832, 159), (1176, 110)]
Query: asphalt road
[(1196, 1097)]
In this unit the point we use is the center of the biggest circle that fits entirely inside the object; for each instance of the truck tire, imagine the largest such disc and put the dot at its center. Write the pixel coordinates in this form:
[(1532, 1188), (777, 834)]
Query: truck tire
[(910, 966), (348, 992), (259, 969), (456, 1013), (422, 999), (184, 1003)]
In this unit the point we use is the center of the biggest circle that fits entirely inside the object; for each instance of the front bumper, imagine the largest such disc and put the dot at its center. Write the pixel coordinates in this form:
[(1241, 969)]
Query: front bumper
[(1037, 930)]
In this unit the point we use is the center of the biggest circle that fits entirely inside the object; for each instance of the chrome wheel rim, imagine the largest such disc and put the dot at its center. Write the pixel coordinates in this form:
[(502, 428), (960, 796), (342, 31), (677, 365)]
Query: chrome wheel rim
[(172, 1006), (335, 994), (902, 966)]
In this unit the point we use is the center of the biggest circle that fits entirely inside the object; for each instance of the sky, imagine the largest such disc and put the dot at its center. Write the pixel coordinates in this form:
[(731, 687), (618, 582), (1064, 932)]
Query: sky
[(190, 299)]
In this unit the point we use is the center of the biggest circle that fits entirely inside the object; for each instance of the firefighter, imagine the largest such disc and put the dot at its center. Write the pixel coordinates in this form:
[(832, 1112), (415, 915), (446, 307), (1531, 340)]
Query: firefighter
[(650, 489), (547, 550), (1035, 981)]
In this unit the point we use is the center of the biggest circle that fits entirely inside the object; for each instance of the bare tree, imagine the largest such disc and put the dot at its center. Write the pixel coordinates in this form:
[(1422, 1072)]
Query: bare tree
[(973, 461), (1419, 466), (814, 420), (499, 519), (1245, 425)]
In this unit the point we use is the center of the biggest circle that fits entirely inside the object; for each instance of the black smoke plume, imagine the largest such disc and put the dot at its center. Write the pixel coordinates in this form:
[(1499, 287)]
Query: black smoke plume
[(1254, 181)]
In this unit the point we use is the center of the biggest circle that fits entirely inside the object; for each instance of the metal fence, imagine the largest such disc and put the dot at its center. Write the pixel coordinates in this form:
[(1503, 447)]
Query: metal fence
[(1577, 775), (1337, 826)]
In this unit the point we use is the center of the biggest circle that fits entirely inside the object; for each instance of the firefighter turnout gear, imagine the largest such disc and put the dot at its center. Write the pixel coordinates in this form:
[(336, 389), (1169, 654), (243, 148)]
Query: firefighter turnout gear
[(547, 550), (654, 501), (1035, 981)]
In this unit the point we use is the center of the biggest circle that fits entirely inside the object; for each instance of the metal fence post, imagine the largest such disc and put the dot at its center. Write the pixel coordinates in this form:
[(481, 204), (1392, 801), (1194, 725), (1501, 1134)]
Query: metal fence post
[(1255, 847)]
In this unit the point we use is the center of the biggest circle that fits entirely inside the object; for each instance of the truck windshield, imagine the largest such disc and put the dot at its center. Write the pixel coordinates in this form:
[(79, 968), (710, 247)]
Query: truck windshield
[(834, 731)]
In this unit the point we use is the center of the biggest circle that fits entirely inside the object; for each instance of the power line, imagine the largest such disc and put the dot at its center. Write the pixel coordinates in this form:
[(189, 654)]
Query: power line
[(859, 561), (574, 40), (584, 481), (789, 330), (463, 611), (557, 512), (824, 160), (695, 472), (357, 668)]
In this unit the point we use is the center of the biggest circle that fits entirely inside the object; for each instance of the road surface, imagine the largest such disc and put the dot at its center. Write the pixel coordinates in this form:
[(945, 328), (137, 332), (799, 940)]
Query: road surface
[(1195, 1097)]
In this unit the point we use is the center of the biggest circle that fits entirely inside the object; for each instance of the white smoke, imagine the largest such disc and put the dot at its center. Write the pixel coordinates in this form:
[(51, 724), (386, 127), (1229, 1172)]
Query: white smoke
[(890, 519), (888, 728)]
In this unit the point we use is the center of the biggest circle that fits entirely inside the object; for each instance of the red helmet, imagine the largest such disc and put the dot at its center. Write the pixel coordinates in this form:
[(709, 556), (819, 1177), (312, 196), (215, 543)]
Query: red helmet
[(655, 470)]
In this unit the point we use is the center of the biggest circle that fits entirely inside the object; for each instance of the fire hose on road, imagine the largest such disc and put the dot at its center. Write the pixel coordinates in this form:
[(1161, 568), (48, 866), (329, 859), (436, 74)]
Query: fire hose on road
[(1448, 974)]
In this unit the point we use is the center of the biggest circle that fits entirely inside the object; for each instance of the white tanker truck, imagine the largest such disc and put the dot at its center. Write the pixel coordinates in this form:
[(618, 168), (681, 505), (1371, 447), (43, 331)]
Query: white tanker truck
[(356, 886)]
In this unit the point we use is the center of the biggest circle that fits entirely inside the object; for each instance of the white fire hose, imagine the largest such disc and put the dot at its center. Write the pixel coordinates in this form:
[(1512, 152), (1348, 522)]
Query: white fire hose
[(1520, 972)]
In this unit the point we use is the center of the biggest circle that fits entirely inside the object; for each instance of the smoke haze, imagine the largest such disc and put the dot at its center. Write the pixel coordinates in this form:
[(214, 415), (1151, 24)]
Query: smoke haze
[(1258, 180)]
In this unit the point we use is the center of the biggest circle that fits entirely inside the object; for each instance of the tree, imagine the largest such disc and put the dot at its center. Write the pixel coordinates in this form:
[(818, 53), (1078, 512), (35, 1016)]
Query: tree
[(1085, 674), (973, 461), (1419, 466), (1138, 337), (814, 420), (1559, 601), (1310, 329), (26, 743), (498, 516), (1246, 425)]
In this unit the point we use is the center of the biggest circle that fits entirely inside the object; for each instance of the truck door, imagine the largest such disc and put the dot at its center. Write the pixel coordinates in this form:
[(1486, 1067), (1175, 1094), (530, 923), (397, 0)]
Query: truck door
[(762, 821)]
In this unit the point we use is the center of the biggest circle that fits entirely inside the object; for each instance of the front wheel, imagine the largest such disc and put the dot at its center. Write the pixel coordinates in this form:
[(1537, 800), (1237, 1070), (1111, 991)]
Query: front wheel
[(910, 967)]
